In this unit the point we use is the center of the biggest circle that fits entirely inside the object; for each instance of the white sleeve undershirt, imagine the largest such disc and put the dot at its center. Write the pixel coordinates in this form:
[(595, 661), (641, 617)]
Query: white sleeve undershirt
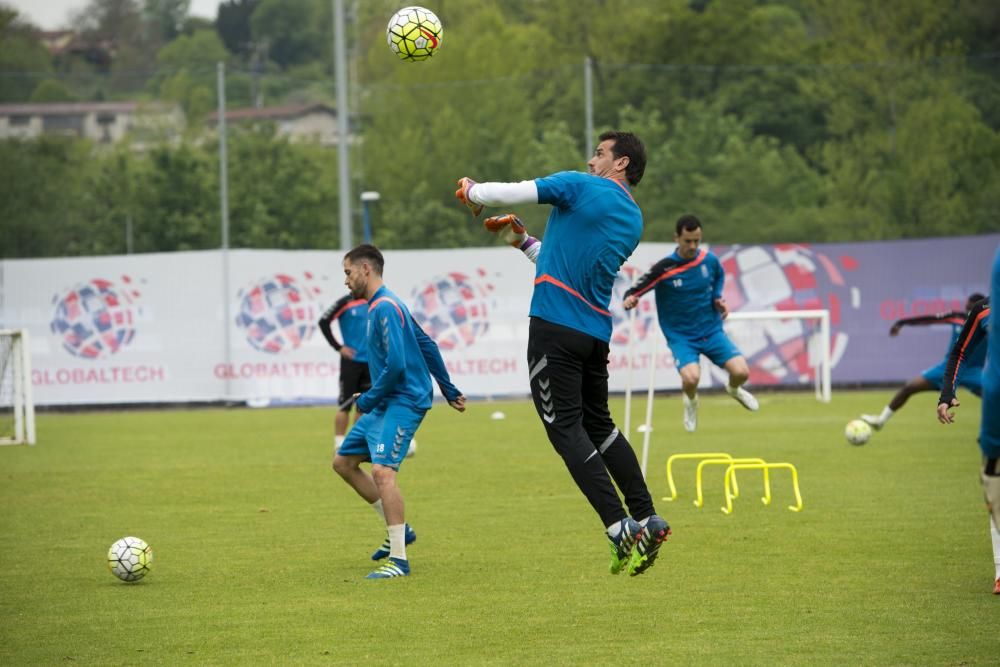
[(503, 194)]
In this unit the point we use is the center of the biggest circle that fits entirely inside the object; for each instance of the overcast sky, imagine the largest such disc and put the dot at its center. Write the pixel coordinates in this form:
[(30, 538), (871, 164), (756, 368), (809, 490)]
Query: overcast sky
[(54, 14)]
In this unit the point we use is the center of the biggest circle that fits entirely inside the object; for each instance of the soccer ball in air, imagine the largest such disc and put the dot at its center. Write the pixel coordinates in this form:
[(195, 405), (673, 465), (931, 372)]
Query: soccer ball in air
[(857, 432), (414, 33), (130, 558)]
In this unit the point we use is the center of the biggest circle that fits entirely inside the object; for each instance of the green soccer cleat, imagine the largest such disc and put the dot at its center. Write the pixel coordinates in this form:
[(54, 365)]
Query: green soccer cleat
[(654, 534), (394, 567), (622, 546)]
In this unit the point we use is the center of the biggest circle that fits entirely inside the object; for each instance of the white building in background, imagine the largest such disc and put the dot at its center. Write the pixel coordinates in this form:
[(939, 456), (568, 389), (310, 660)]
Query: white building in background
[(298, 122), (101, 122)]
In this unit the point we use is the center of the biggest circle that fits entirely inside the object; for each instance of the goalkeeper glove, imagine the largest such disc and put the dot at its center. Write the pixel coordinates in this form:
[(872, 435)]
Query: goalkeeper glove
[(462, 194), (514, 231)]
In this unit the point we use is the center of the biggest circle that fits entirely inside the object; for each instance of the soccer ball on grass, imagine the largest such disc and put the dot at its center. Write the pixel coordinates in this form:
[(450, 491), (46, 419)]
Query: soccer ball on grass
[(414, 33), (130, 558), (857, 432)]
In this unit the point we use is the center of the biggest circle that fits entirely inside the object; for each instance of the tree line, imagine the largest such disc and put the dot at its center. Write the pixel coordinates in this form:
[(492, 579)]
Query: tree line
[(772, 120)]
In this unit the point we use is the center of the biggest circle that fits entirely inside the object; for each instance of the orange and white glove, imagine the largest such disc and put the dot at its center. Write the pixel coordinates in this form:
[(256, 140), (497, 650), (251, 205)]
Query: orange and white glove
[(515, 234), (462, 194), (510, 225)]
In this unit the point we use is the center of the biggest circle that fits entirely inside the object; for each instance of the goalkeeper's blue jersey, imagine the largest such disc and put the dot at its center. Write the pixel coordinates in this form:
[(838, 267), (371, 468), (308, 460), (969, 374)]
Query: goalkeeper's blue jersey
[(593, 228), (401, 358), (685, 290)]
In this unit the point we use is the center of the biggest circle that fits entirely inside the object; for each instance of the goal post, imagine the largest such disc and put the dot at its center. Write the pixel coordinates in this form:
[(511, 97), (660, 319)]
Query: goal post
[(774, 327), (17, 406)]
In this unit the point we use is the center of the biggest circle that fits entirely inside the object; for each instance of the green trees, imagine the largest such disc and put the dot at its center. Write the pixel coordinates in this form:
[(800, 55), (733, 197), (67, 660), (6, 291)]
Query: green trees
[(773, 120)]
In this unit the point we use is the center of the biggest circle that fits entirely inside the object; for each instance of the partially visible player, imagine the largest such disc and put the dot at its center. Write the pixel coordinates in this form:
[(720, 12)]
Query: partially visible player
[(969, 377), (974, 333), (402, 359), (352, 316), (593, 227), (687, 286)]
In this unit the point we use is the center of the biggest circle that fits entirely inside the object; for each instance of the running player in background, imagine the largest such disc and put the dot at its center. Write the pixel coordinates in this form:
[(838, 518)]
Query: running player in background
[(689, 306), (969, 377), (402, 359), (974, 334), (352, 316), (592, 229)]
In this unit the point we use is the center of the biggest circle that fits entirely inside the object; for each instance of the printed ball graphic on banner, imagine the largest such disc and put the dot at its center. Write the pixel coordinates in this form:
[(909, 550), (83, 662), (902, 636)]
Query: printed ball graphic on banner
[(277, 314), (454, 309), (785, 277), (645, 316), (95, 319)]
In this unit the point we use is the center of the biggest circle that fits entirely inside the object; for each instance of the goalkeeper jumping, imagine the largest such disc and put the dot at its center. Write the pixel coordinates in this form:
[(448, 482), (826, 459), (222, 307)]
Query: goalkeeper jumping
[(592, 229)]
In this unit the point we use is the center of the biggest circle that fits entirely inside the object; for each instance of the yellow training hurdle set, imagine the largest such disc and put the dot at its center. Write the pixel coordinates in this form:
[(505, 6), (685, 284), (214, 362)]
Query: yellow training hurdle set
[(732, 489)]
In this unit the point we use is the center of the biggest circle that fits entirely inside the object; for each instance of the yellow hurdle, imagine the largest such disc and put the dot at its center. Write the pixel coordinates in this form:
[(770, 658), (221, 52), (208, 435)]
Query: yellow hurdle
[(731, 470), (730, 480), (693, 455)]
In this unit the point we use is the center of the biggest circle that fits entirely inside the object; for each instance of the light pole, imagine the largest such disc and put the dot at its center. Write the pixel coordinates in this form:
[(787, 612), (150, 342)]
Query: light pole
[(367, 198)]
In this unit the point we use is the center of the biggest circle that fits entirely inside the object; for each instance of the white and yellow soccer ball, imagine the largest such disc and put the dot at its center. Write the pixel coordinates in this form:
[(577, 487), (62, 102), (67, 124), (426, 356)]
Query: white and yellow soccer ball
[(857, 432), (414, 33), (130, 558)]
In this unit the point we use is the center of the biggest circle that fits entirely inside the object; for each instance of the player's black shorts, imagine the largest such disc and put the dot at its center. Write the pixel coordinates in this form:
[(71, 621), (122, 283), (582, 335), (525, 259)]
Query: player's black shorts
[(354, 379)]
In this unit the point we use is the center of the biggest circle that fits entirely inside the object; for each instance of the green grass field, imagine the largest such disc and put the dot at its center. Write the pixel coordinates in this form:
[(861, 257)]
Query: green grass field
[(261, 551)]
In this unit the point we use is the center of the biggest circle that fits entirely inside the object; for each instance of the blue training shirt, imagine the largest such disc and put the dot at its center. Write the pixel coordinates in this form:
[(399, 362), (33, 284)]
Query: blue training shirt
[(401, 358), (685, 290), (593, 228)]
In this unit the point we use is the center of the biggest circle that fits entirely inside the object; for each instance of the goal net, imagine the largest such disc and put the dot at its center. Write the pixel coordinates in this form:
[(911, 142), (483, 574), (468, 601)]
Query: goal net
[(17, 409)]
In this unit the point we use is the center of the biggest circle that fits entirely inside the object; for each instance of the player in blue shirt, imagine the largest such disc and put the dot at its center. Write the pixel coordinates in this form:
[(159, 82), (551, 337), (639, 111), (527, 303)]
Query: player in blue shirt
[(689, 305), (979, 330), (352, 315), (401, 360), (592, 229), (970, 375)]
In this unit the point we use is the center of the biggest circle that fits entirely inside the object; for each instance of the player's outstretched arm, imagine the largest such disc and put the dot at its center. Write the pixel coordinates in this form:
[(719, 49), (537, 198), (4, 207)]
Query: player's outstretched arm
[(647, 281), (922, 320), (477, 195)]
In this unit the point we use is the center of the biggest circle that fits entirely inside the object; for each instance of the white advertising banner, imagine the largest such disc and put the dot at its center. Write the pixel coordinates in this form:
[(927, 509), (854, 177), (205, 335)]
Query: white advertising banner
[(153, 327), (242, 326)]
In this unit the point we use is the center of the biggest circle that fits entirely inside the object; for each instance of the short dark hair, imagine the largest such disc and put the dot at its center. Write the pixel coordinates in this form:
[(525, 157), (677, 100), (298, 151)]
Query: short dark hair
[(630, 146), (975, 298), (367, 253), (687, 223)]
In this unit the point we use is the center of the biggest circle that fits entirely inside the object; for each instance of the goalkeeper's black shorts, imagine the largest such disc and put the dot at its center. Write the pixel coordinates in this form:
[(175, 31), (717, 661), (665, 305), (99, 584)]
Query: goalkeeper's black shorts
[(569, 384)]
